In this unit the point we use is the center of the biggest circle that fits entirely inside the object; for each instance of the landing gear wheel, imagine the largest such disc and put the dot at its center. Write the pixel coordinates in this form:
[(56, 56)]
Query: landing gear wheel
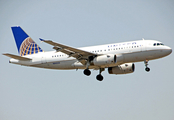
[(87, 72), (99, 77), (146, 64), (147, 69)]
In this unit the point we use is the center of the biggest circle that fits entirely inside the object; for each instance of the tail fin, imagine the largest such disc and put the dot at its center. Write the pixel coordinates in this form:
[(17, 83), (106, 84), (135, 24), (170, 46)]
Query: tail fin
[(24, 43)]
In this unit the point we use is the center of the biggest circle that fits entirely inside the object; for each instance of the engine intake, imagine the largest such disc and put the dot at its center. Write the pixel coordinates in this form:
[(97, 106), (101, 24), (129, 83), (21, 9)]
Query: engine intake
[(122, 69)]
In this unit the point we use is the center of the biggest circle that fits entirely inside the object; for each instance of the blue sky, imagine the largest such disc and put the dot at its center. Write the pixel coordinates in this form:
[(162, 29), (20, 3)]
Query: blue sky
[(33, 93)]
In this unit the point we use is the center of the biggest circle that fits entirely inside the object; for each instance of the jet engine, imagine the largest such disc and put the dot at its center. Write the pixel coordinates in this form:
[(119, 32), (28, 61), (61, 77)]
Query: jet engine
[(122, 69), (104, 59), (109, 59)]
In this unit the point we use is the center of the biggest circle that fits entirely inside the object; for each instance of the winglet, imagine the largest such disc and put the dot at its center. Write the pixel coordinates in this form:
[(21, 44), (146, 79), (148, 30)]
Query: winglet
[(41, 39)]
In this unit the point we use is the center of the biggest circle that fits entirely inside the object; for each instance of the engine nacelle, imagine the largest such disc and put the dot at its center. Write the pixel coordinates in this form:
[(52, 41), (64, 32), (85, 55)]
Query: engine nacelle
[(122, 69), (104, 60)]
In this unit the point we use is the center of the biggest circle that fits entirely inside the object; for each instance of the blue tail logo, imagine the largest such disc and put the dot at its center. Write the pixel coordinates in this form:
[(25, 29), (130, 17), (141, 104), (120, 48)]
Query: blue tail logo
[(25, 45)]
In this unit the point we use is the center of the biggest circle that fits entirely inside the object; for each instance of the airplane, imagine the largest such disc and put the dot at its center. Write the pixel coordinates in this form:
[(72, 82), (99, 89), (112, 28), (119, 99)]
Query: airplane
[(118, 58)]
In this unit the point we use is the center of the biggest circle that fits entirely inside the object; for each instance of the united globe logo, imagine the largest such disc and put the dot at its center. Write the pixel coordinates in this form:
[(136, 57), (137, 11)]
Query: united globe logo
[(29, 47)]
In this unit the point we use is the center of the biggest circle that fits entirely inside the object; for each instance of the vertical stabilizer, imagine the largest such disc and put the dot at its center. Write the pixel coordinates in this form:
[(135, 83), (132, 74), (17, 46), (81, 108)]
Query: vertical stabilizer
[(24, 43)]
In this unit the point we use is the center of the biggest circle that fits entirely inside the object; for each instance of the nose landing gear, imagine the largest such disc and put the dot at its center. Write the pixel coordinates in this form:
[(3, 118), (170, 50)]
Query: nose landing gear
[(146, 64), (147, 69)]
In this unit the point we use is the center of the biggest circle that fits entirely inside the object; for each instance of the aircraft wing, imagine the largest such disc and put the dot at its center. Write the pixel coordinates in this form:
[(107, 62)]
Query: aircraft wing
[(72, 52)]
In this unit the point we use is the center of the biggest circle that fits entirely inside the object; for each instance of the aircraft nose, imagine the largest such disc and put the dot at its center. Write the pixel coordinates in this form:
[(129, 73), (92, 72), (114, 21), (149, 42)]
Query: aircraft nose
[(168, 50)]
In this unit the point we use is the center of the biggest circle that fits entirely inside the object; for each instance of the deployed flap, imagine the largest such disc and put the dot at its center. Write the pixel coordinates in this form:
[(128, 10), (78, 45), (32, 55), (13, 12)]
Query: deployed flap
[(16, 57), (72, 52)]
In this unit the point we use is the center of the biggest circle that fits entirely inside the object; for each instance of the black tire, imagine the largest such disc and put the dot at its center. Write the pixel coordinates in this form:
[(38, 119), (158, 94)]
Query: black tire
[(147, 69), (99, 77), (87, 72)]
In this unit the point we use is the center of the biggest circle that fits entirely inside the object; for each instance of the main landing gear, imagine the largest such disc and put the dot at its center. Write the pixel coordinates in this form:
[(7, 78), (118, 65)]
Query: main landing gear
[(87, 72), (146, 64), (99, 77)]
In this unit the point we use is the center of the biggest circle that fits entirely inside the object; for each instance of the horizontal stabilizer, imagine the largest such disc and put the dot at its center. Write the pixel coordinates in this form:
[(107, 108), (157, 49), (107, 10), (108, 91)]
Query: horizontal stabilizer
[(17, 57)]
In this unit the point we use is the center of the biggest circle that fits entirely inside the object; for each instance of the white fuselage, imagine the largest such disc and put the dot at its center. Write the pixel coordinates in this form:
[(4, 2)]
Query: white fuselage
[(133, 51)]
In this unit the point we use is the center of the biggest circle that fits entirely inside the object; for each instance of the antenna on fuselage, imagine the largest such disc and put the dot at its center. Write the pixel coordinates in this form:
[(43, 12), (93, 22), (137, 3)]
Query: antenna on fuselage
[(142, 38)]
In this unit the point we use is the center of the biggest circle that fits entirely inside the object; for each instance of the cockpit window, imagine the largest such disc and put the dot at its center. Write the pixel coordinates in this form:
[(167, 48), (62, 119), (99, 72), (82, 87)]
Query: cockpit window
[(157, 44)]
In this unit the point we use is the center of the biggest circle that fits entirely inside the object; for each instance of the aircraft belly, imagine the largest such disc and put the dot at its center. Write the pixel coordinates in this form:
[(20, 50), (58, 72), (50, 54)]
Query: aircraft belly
[(78, 65), (62, 65), (133, 57), (155, 54), (141, 56)]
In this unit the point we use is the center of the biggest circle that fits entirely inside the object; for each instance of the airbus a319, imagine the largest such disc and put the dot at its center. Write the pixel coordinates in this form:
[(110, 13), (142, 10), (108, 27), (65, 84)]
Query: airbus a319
[(118, 58)]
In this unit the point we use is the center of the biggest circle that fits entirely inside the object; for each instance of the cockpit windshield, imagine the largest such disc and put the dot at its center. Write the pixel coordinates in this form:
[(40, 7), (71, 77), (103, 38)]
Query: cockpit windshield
[(157, 44)]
